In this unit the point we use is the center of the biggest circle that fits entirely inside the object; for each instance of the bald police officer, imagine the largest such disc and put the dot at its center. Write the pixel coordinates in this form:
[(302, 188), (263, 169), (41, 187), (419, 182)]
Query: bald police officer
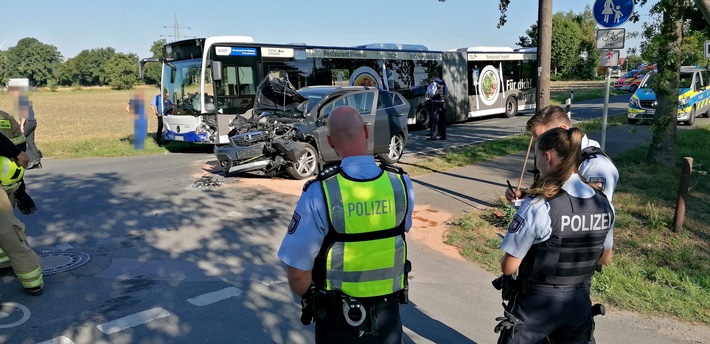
[(595, 165), (345, 247), (559, 235)]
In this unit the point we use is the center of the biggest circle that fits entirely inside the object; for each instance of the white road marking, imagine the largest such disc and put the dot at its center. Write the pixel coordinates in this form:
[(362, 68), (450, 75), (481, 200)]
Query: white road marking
[(215, 296), (9, 306), (58, 340), (136, 319)]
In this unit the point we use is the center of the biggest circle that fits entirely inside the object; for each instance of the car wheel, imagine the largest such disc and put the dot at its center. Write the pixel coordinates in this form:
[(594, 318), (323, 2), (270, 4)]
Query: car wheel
[(511, 107), (396, 149), (706, 114), (306, 164), (633, 121), (633, 88), (691, 120), (422, 117)]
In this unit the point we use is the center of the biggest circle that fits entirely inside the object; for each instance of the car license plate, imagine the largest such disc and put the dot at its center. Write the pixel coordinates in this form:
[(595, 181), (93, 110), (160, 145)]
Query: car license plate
[(179, 138), (650, 112)]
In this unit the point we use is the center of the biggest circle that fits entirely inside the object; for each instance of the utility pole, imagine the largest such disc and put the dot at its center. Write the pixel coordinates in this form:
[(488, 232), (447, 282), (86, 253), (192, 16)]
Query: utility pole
[(544, 53), (176, 30)]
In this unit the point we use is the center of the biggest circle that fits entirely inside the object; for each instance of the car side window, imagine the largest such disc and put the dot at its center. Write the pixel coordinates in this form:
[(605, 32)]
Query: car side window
[(362, 102), (386, 100), (704, 78)]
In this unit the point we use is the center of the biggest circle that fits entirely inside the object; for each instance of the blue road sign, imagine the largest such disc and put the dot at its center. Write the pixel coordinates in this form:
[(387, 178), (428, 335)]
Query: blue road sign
[(612, 13)]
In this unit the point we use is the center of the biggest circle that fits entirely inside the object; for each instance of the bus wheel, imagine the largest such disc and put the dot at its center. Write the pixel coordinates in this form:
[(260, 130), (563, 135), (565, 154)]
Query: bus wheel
[(422, 117), (511, 107), (395, 151), (306, 164)]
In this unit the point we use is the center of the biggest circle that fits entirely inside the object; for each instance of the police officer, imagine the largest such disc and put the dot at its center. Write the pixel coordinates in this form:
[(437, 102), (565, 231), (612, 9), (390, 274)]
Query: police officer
[(345, 247), (14, 251), (435, 92), (561, 232), (595, 165)]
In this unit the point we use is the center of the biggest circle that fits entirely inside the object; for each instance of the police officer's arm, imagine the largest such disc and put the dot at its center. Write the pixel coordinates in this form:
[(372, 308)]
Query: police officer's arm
[(601, 170), (509, 264), (608, 248), (9, 150), (299, 280), (304, 238), (530, 225), (606, 257)]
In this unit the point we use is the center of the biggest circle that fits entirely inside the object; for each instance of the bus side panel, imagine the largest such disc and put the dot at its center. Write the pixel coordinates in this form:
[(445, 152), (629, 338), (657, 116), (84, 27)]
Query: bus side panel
[(455, 75)]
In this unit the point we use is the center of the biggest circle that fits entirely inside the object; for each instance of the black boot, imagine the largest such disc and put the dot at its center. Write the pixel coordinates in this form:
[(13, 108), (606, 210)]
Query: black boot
[(24, 202)]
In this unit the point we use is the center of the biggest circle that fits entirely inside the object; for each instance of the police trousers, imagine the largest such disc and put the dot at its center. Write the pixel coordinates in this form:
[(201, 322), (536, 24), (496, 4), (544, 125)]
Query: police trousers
[(34, 153), (334, 329), (564, 314), (14, 251)]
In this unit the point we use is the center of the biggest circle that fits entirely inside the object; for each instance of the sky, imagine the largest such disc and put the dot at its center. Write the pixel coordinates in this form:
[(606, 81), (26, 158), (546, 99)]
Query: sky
[(130, 26)]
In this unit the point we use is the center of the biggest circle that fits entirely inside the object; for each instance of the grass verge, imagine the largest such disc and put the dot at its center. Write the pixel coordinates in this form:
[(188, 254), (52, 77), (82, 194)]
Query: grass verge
[(559, 97), (654, 270)]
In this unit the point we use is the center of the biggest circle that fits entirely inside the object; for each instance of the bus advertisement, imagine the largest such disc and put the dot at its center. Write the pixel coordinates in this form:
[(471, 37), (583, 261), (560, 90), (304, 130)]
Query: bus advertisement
[(498, 80)]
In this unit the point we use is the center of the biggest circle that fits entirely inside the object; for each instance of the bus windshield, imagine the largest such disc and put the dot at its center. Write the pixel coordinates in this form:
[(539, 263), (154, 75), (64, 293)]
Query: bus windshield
[(181, 79)]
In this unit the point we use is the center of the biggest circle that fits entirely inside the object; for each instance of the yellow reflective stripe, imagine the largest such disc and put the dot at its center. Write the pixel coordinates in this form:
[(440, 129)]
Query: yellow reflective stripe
[(5, 124), (31, 279), (18, 139)]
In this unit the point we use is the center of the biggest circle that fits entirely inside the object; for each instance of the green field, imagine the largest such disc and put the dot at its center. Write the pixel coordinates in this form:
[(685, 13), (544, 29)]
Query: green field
[(87, 122)]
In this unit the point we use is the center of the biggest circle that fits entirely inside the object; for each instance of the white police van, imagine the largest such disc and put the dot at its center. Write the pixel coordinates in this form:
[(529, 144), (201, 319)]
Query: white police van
[(693, 96)]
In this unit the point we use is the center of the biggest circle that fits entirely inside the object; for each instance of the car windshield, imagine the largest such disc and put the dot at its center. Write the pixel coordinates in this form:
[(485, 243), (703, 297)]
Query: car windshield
[(629, 74), (313, 98), (686, 80), (648, 82)]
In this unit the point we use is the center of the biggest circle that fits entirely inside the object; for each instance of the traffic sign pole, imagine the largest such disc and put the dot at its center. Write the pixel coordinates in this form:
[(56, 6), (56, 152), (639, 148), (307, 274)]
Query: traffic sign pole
[(606, 107)]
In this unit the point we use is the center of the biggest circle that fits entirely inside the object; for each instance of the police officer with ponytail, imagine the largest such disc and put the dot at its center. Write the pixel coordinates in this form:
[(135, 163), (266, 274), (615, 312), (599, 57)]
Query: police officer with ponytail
[(345, 247), (562, 231)]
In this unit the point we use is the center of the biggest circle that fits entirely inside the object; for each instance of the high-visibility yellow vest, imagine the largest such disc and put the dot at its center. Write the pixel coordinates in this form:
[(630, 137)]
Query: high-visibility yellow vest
[(366, 251)]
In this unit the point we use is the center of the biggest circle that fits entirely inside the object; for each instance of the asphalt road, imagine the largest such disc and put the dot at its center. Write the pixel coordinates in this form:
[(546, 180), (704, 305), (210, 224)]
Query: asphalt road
[(172, 262)]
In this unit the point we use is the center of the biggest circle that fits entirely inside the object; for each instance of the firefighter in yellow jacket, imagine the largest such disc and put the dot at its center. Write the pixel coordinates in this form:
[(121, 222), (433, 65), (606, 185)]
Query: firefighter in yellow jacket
[(14, 251), (12, 130)]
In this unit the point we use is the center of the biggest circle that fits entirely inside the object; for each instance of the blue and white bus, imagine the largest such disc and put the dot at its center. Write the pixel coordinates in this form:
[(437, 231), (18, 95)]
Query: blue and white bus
[(481, 81)]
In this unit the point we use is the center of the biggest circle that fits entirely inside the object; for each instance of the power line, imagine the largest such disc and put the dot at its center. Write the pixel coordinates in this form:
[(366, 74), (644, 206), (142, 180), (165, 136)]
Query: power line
[(176, 30)]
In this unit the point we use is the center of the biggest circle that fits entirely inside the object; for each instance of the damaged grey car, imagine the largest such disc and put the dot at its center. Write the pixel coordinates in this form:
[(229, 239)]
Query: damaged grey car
[(287, 131)]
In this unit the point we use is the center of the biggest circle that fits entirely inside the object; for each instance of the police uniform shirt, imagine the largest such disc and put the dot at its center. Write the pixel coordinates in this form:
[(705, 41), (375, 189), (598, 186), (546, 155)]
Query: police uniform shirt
[(599, 169), (309, 223), (532, 223)]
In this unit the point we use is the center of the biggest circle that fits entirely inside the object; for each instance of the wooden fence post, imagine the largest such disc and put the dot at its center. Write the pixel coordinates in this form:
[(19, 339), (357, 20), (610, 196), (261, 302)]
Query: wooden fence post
[(685, 172)]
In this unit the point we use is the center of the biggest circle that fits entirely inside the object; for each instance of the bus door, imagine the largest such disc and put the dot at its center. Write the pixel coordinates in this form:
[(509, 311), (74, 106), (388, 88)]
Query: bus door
[(235, 88)]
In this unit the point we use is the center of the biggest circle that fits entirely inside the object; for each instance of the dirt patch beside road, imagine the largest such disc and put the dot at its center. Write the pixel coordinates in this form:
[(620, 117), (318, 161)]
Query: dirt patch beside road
[(428, 224)]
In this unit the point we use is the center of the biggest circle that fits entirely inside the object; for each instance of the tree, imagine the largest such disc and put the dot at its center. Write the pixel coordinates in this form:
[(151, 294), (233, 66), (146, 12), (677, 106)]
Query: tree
[(88, 67), (633, 61), (667, 34), (121, 71), (531, 39), (566, 42), (151, 74), (32, 59)]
